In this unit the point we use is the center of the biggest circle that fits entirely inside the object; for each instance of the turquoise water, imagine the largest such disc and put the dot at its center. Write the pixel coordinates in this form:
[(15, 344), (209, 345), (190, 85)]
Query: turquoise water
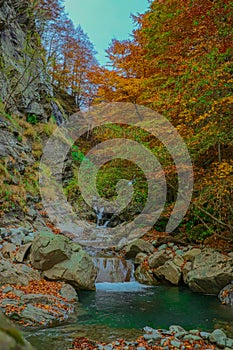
[(122, 309), (131, 305)]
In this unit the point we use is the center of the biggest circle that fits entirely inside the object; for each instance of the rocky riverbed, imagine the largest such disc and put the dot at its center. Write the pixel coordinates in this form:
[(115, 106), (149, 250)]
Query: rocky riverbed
[(41, 273), (175, 337)]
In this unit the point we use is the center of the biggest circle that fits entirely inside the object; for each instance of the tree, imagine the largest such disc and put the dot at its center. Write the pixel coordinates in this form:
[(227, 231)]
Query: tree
[(69, 53)]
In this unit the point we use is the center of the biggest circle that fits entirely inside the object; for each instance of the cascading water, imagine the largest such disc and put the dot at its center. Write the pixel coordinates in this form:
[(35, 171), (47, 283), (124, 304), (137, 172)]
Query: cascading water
[(113, 269)]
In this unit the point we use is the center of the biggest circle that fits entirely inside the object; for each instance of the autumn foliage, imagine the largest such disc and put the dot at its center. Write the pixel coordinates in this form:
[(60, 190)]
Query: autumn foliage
[(179, 63)]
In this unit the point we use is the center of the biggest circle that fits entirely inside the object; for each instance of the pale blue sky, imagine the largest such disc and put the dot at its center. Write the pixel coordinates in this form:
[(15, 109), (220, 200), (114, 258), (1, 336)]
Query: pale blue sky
[(104, 20)]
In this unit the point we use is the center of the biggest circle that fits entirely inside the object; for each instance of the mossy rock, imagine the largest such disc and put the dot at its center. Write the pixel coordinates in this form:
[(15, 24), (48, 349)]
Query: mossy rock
[(10, 337)]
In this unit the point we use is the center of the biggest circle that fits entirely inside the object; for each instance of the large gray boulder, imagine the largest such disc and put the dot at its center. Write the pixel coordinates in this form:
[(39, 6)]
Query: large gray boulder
[(211, 271), (49, 249), (79, 271), (60, 259)]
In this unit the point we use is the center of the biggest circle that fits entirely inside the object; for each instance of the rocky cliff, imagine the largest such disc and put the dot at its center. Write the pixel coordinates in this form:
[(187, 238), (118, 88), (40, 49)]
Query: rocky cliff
[(25, 84)]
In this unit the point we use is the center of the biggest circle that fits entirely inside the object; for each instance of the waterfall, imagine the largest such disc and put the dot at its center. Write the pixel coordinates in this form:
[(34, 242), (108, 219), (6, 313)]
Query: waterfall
[(113, 269)]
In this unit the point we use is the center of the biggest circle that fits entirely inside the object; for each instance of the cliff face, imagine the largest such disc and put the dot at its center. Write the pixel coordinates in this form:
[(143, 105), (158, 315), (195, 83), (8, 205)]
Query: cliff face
[(25, 85)]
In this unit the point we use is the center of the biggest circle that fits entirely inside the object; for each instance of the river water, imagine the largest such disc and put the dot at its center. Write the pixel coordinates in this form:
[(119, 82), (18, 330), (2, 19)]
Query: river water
[(119, 310)]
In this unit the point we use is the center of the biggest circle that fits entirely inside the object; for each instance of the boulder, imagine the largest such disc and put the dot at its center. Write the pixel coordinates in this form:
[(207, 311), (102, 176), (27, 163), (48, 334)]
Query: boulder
[(142, 275), (226, 294), (19, 274), (78, 270), (138, 246), (158, 259), (68, 292), (49, 249), (211, 271), (217, 336), (191, 254), (169, 272)]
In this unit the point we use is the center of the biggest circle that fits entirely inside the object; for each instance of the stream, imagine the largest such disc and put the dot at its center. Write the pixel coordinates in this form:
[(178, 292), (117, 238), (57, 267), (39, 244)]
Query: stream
[(119, 310)]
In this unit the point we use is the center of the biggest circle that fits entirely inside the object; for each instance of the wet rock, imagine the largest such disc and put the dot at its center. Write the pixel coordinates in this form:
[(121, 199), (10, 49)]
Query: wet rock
[(138, 246), (179, 252), (217, 335), (154, 334), (142, 275), (211, 272)]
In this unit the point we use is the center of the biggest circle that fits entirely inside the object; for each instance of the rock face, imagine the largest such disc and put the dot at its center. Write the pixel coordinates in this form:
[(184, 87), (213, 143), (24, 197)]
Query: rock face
[(63, 260), (10, 337), (25, 85), (211, 272)]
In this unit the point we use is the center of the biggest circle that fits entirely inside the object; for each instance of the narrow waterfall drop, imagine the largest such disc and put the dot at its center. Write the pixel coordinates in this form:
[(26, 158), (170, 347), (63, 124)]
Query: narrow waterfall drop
[(113, 269)]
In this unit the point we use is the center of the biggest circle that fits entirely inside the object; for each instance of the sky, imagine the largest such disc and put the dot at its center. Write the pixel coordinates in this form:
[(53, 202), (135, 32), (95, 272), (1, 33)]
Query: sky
[(104, 20)]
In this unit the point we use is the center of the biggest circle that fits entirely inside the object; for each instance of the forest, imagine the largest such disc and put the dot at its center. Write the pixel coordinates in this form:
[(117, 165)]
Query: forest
[(178, 63), (63, 279)]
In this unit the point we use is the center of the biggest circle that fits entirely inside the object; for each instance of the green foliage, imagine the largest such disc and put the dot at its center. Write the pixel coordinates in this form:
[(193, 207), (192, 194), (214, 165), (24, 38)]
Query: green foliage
[(76, 154), (32, 119)]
